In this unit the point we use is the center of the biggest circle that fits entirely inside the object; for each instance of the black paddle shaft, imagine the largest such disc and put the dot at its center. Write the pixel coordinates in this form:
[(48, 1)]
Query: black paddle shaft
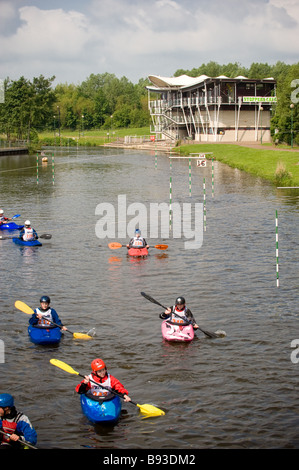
[(24, 443), (148, 297)]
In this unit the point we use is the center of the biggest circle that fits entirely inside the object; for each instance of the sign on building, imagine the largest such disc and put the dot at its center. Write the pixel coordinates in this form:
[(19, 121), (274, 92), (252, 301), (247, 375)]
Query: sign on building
[(259, 99)]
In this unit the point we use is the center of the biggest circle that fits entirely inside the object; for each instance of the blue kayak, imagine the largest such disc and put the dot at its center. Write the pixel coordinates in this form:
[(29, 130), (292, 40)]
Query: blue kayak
[(19, 241), (49, 335), (101, 411), (11, 226)]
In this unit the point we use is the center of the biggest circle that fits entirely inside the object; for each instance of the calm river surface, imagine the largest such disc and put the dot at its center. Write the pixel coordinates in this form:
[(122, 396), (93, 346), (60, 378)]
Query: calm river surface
[(238, 391)]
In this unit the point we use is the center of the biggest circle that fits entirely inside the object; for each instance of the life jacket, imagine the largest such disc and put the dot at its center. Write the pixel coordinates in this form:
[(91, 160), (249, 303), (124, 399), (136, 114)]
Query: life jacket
[(44, 322), (9, 426), (28, 234), (181, 313), (137, 242), (96, 389)]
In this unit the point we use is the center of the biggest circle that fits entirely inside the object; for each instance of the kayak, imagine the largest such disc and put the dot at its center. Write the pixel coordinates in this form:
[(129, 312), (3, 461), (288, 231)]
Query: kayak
[(137, 251), (11, 226), (19, 241), (101, 410), (49, 335), (181, 333)]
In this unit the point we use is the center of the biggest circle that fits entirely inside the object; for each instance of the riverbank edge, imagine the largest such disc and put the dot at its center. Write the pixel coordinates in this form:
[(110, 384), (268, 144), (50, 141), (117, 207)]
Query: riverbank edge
[(259, 160)]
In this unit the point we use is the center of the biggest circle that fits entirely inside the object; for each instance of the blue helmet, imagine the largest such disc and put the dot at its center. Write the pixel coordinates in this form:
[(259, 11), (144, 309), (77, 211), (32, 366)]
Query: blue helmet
[(6, 400), (45, 299), (138, 231)]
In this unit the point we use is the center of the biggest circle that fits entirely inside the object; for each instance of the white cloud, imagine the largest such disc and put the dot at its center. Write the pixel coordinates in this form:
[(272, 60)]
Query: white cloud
[(138, 37), (48, 33)]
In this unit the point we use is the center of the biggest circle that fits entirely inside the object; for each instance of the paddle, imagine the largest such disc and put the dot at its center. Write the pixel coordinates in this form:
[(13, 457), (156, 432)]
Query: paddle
[(26, 309), (148, 297), (46, 236), (4, 222), (149, 410), (116, 245), (24, 443)]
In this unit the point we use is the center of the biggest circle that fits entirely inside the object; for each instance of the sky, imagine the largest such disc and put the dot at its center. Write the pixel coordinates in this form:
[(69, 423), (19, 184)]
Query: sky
[(73, 39)]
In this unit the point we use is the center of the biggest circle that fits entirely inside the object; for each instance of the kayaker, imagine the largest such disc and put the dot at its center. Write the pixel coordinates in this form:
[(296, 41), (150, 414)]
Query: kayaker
[(100, 375), (14, 424), (137, 241), (44, 315), (3, 220), (28, 233), (179, 314)]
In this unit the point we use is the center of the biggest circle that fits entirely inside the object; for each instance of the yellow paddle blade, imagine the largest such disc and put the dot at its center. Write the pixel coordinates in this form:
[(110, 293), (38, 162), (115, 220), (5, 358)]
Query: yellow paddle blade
[(63, 366), (23, 307), (150, 410), (81, 336), (114, 245), (161, 247)]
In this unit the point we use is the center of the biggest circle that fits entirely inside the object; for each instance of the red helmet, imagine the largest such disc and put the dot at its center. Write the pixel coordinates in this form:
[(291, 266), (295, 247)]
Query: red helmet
[(98, 364)]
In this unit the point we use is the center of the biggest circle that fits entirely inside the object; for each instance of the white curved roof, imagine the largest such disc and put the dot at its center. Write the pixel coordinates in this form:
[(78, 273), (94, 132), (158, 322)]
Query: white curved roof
[(186, 81), (181, 81)]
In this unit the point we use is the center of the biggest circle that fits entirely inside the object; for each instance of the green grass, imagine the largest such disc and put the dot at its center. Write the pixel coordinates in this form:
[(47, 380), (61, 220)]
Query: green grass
[(91, 138), (259, 162)]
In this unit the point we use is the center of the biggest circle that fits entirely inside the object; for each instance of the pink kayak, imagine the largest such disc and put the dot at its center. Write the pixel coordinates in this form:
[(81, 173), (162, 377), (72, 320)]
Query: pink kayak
[(172, 332), (137, 251)]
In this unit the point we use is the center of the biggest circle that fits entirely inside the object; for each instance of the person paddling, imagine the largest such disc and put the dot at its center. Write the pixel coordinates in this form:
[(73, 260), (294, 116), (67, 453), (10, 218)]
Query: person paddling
[(179, 314), (137, 241), (28, 233), (44, 315), (15, 426), (100, 375), (3, 220)]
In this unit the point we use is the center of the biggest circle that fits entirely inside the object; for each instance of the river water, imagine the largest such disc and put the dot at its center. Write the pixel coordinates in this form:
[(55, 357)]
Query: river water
[(237, 391)]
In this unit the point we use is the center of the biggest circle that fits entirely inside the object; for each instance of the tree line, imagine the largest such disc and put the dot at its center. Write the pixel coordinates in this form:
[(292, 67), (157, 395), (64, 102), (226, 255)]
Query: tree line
[(34, 106)]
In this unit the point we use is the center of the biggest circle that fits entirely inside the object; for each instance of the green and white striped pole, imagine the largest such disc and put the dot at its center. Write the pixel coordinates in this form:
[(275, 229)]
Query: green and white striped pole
[(170, 202), (53, 168), (170, 195), (212, 177), (204, 206), (37, 168), (277, 265), (190, 177)]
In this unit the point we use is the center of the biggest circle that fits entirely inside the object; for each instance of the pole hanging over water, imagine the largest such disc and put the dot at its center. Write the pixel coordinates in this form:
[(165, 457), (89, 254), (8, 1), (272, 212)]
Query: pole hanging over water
[(170, 195), (37, 168), (277, 265), (190, 177), (204, 205), (212, 177), (53, 168)]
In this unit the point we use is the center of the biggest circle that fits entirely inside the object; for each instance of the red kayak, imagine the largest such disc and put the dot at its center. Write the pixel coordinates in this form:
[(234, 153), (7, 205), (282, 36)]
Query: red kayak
[(137, 251)]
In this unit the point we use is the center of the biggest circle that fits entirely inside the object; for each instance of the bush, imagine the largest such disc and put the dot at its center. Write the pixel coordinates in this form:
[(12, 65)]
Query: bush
[(282, 176)]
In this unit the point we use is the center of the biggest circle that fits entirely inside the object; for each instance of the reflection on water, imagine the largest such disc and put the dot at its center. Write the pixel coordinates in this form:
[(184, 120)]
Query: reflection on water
[(239, 391)]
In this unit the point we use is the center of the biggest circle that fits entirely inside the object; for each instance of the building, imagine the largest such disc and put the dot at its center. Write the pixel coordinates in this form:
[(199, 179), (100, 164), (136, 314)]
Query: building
[(207, 109)]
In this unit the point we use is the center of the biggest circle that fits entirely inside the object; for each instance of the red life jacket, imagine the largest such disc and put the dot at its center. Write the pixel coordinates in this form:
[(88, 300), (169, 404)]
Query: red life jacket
[(9, 426)]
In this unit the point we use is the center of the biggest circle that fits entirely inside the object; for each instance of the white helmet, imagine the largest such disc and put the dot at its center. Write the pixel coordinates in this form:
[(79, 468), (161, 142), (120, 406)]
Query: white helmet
[(27, 222), (1, 211)]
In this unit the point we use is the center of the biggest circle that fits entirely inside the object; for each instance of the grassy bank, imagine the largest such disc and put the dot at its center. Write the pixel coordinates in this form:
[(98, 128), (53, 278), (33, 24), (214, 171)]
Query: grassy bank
[(281, 167), (90, 138)]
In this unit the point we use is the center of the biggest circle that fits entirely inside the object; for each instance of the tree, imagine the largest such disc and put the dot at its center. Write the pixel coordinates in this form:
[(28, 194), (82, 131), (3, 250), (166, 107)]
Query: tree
[(27, 106)]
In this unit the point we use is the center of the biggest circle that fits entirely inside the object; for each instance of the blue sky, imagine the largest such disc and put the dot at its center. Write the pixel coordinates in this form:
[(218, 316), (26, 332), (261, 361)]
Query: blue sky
[(72, 39)]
